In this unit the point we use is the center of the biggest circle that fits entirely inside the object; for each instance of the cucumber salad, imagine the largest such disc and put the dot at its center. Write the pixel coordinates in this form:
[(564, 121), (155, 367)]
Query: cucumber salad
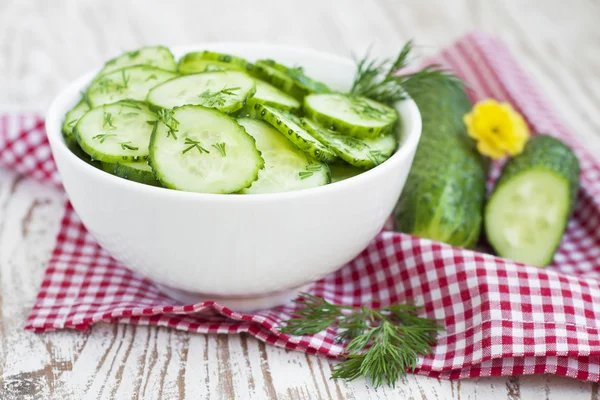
[(217, 123)]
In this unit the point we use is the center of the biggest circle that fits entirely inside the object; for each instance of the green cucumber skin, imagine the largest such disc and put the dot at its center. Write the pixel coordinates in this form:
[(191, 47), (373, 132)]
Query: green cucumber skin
[(294, 82), (261, 112), (546, 153), (235, 63), (444, 194), (106, 69), (130, 174)]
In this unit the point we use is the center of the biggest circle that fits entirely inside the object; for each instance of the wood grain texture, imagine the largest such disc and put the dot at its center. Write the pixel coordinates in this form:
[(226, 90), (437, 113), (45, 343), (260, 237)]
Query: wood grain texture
[(44, 45)]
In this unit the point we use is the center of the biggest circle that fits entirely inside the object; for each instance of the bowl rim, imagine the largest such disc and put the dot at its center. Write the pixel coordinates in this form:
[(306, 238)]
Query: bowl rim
[(53, 125)]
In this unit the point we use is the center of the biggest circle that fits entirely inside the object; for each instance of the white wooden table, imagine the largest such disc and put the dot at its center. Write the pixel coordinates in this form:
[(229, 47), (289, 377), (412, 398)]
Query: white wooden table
[(44, 44)]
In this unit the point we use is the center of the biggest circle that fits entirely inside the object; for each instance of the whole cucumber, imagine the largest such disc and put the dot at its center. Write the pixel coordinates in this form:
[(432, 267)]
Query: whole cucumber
[(445, 191)]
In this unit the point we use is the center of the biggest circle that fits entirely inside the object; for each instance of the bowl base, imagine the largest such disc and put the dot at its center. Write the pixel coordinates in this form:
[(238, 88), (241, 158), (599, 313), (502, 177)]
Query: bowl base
[(239, 304)]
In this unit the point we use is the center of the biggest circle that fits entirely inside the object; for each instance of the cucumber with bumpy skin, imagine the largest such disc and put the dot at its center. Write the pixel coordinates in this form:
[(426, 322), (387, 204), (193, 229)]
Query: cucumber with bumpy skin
[(155, 56), (364, 153), (445, 190), (116, 132), (199, 149), (351, 115), (269, 95), (208, 61), (286, 167), (291, 127), (292, 81), (528, 211), (227, 91), (128, 83), (133, 171)]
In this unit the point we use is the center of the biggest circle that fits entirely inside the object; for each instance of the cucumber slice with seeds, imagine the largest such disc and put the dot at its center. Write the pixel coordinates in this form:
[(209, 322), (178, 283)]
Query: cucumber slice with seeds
[(199, 149), (292, 81), (271, 96), (528, 211), (286, 167), (127, 83), (134, 171), (364, 153), (155, 56), (227, 91), (208, 61), (352, 115), (116, 132), (291, 126)]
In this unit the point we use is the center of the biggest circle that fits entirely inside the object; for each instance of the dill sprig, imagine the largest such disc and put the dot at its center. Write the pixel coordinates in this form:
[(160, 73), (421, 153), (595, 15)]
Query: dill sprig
[(310, 170), (108, 120), (102, 137), (220, 148), (127, 146), (217, 98), (380, 81), (125, 79), (382, 344), (194, 144), (166, 117)]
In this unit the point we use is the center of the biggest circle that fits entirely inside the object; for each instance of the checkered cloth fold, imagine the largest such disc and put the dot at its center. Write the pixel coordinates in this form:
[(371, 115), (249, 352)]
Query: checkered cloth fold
[(501, 318)]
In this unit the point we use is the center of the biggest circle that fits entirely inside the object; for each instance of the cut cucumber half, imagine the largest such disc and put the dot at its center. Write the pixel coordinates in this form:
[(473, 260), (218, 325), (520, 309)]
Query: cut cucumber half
[(291, 126), (227, 91), (364, 153), (529, 209), (291, 80), (202, 150), (134, 171), (208, 61), (351, 115), (116, 132), (286, 167), (71, 119), (127, 83), (155, 56), (269, 95), (341, 171)]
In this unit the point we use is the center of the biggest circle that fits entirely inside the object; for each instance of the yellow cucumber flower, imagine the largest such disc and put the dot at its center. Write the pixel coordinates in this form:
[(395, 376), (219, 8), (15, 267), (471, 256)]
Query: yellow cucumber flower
[(498, 129)]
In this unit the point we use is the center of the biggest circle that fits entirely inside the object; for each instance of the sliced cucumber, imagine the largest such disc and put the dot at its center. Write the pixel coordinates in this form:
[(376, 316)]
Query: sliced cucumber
[(73, 116), (352, 115), (155, 56), (528, 211), (226, 91), (291, 126), (127, 83), (271, 96), (116, 132), (286, 167), (291, 80), (134, 171), (364, 153), (199, 149), (341, 171), (208, 61)]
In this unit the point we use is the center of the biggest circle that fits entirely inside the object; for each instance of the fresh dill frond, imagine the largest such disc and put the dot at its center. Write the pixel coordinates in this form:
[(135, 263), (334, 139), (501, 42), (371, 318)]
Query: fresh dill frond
[(108, 121), (166, 117), (382, 344), (218, 98), (102, 137), (127, 146), (220, 148), (383, 81), (194, 144)]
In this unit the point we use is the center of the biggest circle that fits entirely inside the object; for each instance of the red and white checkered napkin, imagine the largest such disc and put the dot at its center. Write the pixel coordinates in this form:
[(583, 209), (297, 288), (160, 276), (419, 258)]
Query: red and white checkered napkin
[(501, 318)]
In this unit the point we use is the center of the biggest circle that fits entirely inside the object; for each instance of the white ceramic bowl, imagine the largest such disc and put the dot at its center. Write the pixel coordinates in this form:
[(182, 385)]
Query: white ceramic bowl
[(244, 251)]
